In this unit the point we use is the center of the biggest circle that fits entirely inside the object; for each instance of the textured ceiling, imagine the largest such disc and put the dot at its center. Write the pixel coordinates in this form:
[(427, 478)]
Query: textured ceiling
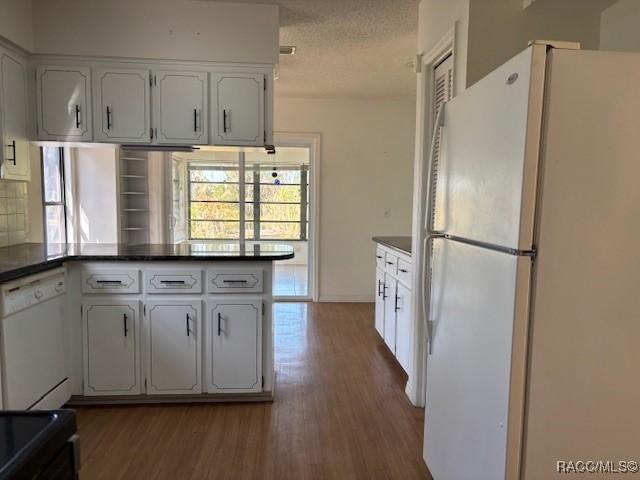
[(347, 48)]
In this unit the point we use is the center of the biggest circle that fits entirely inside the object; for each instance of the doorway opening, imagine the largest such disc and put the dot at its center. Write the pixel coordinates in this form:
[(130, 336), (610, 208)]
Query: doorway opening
[(221, 195)]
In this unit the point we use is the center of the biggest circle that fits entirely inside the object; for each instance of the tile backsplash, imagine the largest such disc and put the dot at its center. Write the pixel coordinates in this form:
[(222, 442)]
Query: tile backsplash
[(13, 213)]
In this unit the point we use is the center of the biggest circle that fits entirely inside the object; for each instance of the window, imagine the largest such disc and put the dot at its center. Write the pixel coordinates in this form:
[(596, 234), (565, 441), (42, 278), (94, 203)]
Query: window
[(275, 208), (55, 224)]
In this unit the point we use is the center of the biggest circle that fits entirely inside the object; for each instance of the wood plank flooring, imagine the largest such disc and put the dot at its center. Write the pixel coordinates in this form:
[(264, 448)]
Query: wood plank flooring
[(340, 413)]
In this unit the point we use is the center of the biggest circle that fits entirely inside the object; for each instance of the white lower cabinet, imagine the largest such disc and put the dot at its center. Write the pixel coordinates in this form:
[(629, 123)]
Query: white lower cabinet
[(380, 297), (111, 329), (390, 313), (173, 346), (234, 346), (403, 325), (393, 303)]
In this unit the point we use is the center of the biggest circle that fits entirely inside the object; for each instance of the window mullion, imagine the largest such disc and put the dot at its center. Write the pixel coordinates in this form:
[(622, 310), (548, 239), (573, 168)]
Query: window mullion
[(303, 202), (242, 197), (256, 204)]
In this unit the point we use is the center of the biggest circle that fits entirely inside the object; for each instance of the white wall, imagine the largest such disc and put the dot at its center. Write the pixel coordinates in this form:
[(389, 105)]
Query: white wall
[(160, 29), (96, 194), (366, 166), (499, 29), (16, 22), (620, 27)]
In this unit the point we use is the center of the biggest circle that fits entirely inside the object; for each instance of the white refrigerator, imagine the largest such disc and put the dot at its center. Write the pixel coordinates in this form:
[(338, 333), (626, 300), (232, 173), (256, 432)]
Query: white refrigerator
[(532, 297)]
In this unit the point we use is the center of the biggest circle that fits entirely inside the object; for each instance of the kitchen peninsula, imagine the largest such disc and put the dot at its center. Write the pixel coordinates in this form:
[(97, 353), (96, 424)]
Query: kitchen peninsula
[(137, 323)]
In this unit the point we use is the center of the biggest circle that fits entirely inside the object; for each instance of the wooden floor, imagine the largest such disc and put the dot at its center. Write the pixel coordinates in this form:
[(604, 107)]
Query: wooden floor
[(340, 413)]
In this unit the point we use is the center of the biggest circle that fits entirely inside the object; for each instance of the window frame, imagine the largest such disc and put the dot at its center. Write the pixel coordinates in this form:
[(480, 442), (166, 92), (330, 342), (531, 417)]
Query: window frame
[(243, 202), (61, 203)]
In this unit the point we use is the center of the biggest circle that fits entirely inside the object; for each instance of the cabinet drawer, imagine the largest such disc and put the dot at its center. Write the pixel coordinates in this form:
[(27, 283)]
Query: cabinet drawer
[(173, 281), (380, 258), (111, 281), (390, 263), (404, 272), (235, 280)]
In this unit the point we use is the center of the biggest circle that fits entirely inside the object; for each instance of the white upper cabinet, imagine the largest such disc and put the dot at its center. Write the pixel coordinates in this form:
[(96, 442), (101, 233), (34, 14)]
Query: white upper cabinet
[(238, 106), (122, 106), (174, 347), (180, 107), (64, 103), (14, 154)]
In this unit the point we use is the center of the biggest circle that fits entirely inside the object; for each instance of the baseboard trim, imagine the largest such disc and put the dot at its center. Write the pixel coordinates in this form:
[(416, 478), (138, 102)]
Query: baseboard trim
[(346, 299)]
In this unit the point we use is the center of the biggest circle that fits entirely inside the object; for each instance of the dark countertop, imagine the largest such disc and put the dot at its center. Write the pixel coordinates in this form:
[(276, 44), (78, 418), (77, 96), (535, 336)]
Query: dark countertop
[(20, 260), (402, 244)]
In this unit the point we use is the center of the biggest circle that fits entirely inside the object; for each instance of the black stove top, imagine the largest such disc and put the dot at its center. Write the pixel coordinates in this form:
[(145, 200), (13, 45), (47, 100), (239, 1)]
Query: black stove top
[(31, 440), (18, 430)]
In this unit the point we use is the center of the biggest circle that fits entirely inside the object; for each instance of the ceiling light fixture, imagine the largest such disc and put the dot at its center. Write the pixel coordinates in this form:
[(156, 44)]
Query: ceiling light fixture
[(288, 50)]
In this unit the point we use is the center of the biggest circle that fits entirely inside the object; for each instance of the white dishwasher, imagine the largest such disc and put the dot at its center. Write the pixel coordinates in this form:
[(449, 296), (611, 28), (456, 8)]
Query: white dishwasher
[(33, 360)]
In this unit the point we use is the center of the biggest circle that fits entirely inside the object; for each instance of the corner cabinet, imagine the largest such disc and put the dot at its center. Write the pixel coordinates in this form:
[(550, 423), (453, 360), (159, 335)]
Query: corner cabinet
[(64, 103), (234, 346), (238, 101), (122, 105), (14, 129), (180, 106), (174, 347), (111, 330), (393, 320)]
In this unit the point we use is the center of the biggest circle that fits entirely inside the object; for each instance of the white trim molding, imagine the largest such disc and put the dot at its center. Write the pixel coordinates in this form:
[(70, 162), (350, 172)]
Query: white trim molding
[(312, 142)]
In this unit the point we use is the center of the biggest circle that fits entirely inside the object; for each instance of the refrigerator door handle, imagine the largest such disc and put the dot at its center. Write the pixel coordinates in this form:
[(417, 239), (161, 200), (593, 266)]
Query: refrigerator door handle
[(426, 286), (428, 213)]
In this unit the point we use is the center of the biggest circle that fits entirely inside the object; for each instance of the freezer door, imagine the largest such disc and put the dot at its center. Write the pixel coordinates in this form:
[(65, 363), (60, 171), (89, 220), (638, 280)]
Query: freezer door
[(478, 306), (486, 179)]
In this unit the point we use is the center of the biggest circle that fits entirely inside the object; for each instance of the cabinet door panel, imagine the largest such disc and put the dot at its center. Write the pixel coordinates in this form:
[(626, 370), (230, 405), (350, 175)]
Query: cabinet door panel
[(403, 327), (111, 353), (380, 295), (173, 347), (234, 346), (123, 111), (13, 108), (390, 313), (239, 100), (180, 107), (64, 109)]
